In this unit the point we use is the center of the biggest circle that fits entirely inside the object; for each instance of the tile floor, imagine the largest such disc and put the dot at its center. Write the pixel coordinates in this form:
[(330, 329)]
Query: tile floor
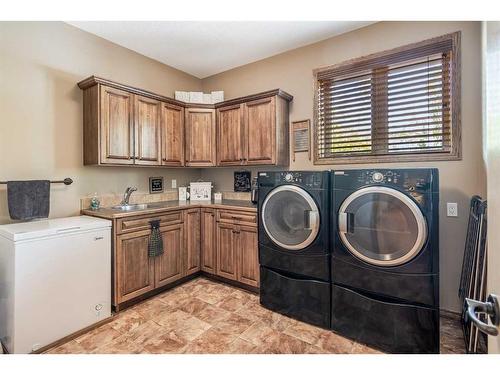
[(203, 316)]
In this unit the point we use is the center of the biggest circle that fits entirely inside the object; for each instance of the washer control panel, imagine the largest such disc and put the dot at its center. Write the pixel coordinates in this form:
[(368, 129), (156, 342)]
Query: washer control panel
[(409, 182), (380, 177)]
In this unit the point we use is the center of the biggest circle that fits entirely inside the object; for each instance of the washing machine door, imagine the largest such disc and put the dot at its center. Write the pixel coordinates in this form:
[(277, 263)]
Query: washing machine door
[(290, 217), (382, 226)]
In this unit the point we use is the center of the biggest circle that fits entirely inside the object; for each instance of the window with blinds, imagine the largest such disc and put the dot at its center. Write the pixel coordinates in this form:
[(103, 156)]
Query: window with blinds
[(400, 105)]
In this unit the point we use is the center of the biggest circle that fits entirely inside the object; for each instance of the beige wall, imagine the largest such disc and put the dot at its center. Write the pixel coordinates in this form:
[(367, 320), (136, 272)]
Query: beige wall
[(41, 109), (292, 72)]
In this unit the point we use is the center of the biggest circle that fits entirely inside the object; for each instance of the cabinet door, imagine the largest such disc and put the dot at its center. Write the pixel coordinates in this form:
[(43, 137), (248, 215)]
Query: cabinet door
[(200, 137), (172, 135), (168, 266), (208, 242), (248, 256), (226, 251), (230, 148), (134, 268), (117, 133), (192, 242), (147, 131), (260, 131)]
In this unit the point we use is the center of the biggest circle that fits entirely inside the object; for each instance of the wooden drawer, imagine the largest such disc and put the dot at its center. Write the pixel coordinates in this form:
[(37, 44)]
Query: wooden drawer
[(135, 223), (237, 217)]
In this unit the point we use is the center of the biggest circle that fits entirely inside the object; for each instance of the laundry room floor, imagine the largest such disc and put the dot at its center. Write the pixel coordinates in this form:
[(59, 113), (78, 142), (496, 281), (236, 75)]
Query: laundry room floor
[(203, 316)]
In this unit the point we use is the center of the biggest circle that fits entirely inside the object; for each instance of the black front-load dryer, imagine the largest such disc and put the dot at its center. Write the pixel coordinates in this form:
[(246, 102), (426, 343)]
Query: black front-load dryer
[(385, 258), (294, 244)]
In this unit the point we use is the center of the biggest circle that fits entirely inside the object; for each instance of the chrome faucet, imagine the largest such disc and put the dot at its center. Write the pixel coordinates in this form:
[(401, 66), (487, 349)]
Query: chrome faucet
[(126, 195)]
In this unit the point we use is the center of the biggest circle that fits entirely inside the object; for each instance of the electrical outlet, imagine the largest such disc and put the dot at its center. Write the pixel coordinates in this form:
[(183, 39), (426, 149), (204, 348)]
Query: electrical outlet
[(174, 184), (452, 209)]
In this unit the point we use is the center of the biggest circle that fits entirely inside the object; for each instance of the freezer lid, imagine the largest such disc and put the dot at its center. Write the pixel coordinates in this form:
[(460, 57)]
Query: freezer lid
[(51, 227)]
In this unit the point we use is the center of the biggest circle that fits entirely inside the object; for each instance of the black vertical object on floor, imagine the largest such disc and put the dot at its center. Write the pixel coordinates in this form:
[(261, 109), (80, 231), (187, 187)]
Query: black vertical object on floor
[(473, 278)]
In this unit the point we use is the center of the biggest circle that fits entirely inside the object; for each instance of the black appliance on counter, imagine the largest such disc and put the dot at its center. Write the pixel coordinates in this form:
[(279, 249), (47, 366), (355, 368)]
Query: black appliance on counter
[(385, 258), (294, 252)]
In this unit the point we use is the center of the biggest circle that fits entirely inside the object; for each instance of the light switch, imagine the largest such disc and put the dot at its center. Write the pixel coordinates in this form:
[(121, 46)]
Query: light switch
[(452, 209), (174, 184)]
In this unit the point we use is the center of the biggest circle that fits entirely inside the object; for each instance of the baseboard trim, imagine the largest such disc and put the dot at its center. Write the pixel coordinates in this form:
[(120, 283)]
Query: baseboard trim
[(133, 301), (74, 335), (236, 284)]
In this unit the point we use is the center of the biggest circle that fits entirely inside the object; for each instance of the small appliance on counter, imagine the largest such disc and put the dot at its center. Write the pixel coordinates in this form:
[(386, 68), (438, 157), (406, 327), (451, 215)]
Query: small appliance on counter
[(183, 193), (255, 190), (217, 197), (200, 191)]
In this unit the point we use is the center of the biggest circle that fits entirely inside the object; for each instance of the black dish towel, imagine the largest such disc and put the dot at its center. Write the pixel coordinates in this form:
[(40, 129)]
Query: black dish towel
[(155, 246), (28, 199)]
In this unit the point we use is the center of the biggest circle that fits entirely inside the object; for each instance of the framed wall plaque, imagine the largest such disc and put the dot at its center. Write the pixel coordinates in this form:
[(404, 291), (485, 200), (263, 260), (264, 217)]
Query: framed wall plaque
[(301, 137), (242, 181), (155, 185)]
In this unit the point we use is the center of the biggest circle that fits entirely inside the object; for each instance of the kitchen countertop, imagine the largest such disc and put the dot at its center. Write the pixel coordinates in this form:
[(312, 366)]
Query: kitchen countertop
[(109, 213)]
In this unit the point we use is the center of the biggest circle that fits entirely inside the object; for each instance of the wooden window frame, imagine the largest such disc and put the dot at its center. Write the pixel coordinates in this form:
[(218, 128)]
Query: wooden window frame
[(456, 140)]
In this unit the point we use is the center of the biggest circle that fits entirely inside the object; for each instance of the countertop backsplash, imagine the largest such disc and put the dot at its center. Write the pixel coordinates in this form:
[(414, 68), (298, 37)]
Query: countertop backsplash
[(108, 200)]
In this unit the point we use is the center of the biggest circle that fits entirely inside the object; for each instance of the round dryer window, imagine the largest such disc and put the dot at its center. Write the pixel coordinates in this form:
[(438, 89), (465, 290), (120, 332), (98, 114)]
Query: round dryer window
[(382, 226), (290, 217)]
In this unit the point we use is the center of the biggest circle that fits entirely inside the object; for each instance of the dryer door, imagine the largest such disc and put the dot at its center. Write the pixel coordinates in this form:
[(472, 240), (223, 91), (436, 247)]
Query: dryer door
[(290, 217), (382, 226)]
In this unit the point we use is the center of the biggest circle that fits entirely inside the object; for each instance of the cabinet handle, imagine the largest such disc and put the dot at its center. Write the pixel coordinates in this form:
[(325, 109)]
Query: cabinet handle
[(235, 217)]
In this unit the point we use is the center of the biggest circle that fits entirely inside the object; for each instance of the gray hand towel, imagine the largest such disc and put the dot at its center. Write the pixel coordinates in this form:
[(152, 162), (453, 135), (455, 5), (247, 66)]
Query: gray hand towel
[(28, 200), (155, 245)]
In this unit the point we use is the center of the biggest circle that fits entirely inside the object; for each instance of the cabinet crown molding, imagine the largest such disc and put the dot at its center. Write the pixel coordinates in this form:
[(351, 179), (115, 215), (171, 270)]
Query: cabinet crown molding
[(94, 80)]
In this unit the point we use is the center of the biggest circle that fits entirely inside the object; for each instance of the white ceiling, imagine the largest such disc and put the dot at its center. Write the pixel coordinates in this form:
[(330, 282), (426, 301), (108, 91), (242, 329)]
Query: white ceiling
[(206, 48)]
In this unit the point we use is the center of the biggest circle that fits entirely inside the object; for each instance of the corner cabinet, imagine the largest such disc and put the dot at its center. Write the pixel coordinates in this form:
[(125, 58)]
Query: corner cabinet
[(124, 125), (200, 137), (172, 139)]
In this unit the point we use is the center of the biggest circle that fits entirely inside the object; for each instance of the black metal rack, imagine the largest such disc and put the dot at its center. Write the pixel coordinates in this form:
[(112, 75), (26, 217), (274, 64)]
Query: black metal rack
[(66, 181), (473, 278)]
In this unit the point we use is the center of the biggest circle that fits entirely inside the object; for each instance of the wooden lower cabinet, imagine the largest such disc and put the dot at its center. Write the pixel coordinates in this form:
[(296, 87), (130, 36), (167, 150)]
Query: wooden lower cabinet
[(248, 256), (194, 239), (226, 250), (134, 268), (168, 266), (237, 253), (208, 241), (191, 256)]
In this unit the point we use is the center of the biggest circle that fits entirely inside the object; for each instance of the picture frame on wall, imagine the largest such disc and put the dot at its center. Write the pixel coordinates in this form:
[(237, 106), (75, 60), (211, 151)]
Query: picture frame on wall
[(301, 137), (155, 185), (242, 181)]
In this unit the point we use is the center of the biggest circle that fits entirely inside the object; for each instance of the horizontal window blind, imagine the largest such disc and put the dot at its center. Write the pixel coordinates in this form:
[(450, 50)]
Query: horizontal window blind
[(397, 103)]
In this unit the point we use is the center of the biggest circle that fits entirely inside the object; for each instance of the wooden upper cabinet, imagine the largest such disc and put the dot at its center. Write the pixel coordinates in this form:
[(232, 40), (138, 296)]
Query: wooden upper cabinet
[(200, 137), (192, 262), (147, 131), (172, 130), (230, 130), (260, 137), (134, 267), (117, 126), (254, 132), (168, 266), (124, 125)]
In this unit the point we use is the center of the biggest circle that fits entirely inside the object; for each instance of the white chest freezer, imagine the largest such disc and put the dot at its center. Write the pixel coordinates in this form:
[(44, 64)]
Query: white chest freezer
[(55, 279)]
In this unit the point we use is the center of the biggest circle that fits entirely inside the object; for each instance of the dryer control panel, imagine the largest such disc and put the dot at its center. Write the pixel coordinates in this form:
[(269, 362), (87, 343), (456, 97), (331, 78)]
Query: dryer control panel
[(423, 180), (315, 180)]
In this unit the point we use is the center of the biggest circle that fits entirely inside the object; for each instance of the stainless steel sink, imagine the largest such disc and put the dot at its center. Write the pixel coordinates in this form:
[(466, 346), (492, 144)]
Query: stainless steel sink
[(131, 207)]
